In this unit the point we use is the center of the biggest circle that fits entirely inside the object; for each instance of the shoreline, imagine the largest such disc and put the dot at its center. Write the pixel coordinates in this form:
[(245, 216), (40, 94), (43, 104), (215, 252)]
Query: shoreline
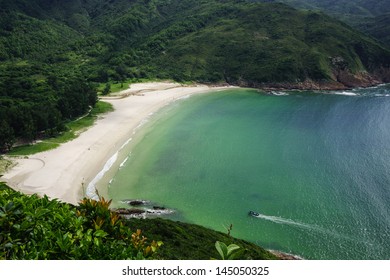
[(65, 172)]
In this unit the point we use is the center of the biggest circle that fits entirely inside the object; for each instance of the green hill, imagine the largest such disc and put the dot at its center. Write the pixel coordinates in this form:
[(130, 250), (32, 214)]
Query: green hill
[(257, 44), (369, 16), (341, 7), (208, 41), (378, 27)]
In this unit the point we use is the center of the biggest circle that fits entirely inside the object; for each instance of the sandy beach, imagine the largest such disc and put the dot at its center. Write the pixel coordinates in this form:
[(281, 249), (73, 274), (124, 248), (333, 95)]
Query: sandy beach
[(65, 173)]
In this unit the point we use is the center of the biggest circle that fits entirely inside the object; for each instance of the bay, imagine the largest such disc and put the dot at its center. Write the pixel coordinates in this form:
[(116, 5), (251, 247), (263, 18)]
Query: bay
[(314, 165)]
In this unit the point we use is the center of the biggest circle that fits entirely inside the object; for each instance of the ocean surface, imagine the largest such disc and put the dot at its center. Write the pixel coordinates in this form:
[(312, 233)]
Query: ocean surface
[(315, 166)]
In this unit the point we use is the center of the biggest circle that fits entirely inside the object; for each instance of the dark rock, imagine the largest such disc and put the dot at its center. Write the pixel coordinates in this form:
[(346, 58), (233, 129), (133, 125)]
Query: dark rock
[(136, 202), (159, 208)]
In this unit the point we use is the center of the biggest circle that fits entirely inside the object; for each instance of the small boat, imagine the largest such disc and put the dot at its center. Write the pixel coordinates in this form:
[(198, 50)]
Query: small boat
[(254, 214)]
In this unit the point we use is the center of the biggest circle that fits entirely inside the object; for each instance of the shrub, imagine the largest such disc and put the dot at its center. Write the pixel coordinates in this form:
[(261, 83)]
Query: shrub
[(40, 228)]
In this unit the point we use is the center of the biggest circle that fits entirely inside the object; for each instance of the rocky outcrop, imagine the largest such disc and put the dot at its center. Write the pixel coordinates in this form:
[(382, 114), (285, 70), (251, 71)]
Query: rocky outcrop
[(340, 77), (141, 209), (341, 80)]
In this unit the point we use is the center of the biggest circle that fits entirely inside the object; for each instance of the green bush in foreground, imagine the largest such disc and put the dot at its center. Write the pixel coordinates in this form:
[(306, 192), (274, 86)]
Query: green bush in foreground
[(39, 228)]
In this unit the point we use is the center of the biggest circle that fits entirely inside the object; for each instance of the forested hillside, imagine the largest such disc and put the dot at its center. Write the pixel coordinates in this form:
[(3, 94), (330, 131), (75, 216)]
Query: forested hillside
[(370, 16), (54, 53), (378, 27), (342, 7)]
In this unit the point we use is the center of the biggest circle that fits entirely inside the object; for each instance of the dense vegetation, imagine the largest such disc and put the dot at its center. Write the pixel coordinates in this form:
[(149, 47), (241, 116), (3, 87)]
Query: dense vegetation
[(370, 16), (39, 89), (378, 27), (208, 41), (257, 44), (342, 7), (32, 103), (39, 228), (54, 54)]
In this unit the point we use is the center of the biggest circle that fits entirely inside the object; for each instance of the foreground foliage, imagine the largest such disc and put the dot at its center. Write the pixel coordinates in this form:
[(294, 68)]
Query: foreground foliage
[(183, 241), (39, 228), (231, 252)]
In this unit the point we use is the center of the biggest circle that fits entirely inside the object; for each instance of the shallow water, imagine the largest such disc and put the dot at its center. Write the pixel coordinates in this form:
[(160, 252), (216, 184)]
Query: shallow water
[(315, 166)]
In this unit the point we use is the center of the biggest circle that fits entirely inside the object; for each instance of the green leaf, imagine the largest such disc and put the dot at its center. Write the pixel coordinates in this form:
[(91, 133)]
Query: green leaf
[(236, 255), (231, 248), (222, 249), (97, 242), (100, 233)]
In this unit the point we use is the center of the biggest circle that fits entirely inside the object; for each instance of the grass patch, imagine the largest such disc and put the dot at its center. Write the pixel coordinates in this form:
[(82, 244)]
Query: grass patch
[(32, 149), (74, 128), (118, 86)]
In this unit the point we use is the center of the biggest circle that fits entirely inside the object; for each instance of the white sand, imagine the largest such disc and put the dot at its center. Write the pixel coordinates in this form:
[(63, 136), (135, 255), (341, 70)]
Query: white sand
[(65, 172)]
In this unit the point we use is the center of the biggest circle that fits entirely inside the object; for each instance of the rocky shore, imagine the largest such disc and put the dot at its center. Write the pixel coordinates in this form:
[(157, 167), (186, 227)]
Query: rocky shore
[(340, 80)]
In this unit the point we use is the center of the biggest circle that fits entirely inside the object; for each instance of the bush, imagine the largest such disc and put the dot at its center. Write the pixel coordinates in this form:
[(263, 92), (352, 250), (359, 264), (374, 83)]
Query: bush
[(40, 228)]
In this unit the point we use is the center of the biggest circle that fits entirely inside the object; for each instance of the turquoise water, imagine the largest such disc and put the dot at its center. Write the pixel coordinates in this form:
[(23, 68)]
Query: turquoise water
[(315, 166)]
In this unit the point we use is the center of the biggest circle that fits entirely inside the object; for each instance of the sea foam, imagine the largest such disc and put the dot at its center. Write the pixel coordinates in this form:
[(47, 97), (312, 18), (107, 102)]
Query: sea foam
[(90, 191), (91, 188), (279, 93)]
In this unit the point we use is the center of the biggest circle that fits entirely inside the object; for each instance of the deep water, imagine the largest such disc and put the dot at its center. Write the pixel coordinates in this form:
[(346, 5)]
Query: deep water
[(314, 165)]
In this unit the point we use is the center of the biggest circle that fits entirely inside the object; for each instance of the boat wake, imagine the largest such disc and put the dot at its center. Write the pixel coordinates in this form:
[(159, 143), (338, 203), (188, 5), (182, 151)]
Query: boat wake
[(280, 220), (315, 228)]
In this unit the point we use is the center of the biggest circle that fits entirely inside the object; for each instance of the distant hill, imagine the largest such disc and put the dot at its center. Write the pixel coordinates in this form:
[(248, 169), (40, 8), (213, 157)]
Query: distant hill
[(369, 16), (257, 44), (378, 27), (366, 8)]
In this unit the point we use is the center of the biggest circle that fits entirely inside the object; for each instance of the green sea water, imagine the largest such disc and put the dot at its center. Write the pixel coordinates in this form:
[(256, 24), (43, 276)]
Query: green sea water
[(314, 165)]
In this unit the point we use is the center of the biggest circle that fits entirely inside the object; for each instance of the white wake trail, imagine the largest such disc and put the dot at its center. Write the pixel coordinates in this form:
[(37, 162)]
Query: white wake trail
[(280, 220)]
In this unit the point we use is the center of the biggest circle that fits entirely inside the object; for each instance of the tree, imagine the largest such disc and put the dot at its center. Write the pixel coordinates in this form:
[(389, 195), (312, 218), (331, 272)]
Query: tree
[(7, 137), (107, 89)]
